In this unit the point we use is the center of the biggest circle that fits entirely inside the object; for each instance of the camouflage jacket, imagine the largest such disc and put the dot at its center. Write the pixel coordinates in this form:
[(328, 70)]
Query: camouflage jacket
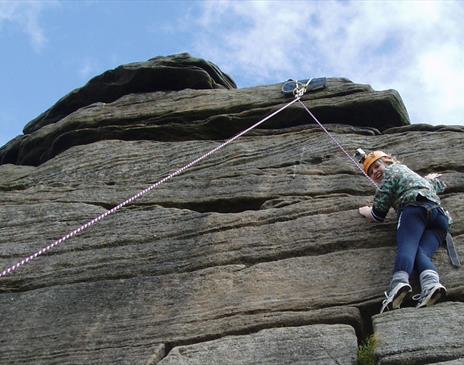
[(400, 187)]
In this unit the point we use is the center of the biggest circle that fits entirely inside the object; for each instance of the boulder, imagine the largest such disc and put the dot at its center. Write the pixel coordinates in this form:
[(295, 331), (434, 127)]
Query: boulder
[(317, 344), (175, 72), (425, 336)]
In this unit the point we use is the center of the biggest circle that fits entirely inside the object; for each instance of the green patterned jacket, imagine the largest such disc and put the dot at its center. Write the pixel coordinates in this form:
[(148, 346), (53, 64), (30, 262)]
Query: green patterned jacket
[(401, 186)]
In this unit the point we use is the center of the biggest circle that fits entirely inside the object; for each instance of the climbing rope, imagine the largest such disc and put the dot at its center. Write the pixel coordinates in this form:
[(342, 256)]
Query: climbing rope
[(298, 92), (87, 225), (338, 144)]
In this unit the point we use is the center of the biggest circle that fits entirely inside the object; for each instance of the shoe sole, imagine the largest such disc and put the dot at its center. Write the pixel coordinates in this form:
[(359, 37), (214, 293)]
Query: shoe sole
[(435, 296), (398, 299)]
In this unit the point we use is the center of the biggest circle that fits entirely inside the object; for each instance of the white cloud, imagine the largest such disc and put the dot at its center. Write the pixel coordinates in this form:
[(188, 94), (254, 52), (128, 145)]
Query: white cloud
[(26, 15), (88, 69), (415, 47)]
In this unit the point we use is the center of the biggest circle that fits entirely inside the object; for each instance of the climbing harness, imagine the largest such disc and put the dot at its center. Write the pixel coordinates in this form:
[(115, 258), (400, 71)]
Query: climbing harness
[(448, 239), (299, 89)]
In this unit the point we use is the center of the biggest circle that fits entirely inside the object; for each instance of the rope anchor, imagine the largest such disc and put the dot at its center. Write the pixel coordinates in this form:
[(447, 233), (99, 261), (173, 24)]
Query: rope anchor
[(300, 89), (295, 88)]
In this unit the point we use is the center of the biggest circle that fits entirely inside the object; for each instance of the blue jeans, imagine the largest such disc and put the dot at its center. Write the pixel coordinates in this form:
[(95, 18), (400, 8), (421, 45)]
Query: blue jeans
[(420, 233)]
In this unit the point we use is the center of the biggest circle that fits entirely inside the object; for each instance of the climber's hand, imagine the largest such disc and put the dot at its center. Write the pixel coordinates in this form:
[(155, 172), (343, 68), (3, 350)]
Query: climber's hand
[(366, 211), (432, 176)]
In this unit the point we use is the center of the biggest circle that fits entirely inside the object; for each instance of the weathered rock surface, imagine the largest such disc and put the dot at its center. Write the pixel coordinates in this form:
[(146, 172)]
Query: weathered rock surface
[(205, 115), (318, 344), (423, 336), (176, 72), (451, 362), (261, 235)]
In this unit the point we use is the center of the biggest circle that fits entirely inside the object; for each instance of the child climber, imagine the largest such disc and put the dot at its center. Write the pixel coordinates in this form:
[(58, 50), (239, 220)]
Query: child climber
[(422, 225)]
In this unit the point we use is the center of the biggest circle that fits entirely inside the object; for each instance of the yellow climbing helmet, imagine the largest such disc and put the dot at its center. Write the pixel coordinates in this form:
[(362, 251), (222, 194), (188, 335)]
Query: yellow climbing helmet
[(373, 156), (368, 159)]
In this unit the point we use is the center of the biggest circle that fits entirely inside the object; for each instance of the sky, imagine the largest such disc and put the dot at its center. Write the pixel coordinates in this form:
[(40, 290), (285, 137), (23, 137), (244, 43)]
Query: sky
[(49, 48)]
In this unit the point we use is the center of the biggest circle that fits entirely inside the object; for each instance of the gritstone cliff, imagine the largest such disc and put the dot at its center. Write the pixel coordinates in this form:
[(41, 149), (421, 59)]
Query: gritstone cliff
[(257, 255)]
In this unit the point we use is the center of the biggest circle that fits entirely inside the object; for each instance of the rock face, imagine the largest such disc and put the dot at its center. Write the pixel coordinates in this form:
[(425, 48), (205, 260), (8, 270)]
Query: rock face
[(206, 114), (317, 344), (176, 72), (410, 336), (255, 255)]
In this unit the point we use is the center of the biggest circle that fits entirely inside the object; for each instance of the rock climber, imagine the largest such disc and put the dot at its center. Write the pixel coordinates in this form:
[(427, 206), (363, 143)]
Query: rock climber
[(422, 224)]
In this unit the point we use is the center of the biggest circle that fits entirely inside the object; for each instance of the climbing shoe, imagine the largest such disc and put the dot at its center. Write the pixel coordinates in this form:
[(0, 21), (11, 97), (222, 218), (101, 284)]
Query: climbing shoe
[(430, 296), (395, 296)]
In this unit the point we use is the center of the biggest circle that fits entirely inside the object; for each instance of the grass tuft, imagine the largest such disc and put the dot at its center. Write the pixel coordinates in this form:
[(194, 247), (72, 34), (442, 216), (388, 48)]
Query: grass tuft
[(366, 351)]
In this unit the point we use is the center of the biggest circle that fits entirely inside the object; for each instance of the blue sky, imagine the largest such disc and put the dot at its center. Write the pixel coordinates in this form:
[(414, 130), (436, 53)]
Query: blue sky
[(50, 48)]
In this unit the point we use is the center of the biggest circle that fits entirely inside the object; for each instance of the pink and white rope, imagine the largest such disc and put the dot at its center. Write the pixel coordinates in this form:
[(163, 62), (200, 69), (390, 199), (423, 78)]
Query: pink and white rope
[(338, 144), (83, 227)]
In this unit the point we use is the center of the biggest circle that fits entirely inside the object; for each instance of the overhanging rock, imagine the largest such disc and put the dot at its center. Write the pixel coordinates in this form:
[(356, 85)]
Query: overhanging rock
[(175, 72), (204, 115)]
